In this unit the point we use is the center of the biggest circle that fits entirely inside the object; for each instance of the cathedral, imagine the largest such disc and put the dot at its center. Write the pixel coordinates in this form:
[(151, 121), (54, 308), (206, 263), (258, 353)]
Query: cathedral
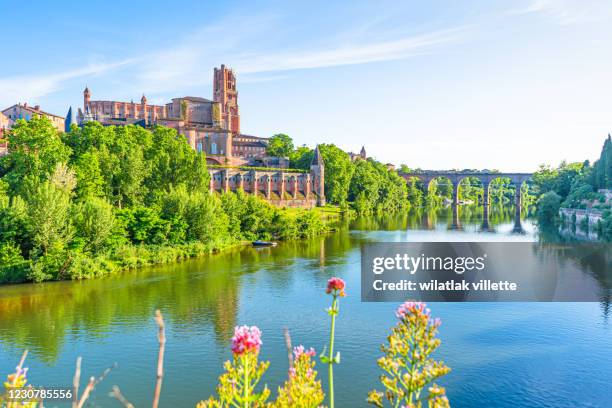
[(210, 126)]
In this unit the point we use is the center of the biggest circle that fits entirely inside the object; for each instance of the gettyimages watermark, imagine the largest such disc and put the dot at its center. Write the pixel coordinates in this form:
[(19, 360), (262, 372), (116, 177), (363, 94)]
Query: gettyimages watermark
[(485, 272)]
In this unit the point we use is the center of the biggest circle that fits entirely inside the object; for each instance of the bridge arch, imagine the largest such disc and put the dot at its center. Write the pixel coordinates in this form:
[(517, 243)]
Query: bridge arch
[(485, 177)]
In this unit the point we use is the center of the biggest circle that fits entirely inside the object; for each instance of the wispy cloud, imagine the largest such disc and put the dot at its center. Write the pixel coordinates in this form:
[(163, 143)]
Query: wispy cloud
[(352, 54), (568, 12), (183, 66), (25, 88), (257, 47)]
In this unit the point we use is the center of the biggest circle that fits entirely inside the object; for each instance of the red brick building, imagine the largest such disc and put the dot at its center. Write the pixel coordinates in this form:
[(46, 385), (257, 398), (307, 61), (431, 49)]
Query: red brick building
[(211, 126)]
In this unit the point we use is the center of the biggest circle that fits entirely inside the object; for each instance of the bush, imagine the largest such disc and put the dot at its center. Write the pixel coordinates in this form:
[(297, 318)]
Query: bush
[(144, 225), (14, 223), (548, 209), (83, 266), (51, 266), (407, 362), (13, 267), (94, 222)]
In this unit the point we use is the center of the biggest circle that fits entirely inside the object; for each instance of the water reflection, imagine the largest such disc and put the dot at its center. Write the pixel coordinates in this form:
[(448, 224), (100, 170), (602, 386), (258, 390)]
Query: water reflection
[(206, 291)]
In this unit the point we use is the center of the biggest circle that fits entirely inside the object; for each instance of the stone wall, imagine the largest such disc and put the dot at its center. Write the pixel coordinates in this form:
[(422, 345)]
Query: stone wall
[(594, 216), (280, 188)]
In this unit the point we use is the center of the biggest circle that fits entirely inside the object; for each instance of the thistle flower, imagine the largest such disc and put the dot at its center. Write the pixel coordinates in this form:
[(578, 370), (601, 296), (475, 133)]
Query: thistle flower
[(246, 340), (335, 286)]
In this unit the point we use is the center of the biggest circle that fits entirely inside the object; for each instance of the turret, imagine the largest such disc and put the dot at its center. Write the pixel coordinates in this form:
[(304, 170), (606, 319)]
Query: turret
[(362, 153), (69, 120), (317, 171)]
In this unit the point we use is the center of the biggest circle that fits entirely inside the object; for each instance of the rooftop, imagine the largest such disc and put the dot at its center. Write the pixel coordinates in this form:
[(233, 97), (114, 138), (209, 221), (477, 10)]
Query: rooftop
[(33, 109)]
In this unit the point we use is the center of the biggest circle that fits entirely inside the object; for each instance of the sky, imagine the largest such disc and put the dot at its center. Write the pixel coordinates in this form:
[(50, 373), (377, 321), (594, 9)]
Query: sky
[(505, 85)]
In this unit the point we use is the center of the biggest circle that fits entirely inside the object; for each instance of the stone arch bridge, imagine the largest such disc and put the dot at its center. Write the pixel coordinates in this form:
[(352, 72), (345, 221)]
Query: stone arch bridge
[(485, 177)]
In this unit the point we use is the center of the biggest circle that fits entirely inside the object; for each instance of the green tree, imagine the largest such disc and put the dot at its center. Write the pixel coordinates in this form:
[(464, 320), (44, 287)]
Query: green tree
[(143, 224), (14, 223), (35, 148), (338, 173), (364, 187), (49, 221), (602, 168), (90, 182), (548, 209), (301, 158), (207, 221), (94, 222), (172, 163), (280, 145), (414, 193)]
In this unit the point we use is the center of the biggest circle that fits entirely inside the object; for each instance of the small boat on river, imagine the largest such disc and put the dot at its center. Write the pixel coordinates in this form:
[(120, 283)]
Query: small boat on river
[(264, 243)]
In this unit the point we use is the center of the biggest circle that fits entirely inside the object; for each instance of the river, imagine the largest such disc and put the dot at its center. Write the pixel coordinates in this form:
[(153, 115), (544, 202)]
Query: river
[(501, 354)]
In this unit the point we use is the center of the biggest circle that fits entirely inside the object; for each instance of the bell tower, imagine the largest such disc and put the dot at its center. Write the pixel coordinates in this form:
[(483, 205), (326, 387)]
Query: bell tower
[(86, 98), (225, 93)]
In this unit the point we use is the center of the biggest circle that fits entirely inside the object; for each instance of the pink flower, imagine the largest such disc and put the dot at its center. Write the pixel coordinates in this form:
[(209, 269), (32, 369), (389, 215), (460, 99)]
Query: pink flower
[(336, 286), (299, 351), (412, 308), (246, 339)]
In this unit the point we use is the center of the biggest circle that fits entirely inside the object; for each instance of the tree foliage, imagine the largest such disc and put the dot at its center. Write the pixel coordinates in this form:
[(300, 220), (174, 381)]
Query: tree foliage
[(100, 199), (338, 173), (280, 145)]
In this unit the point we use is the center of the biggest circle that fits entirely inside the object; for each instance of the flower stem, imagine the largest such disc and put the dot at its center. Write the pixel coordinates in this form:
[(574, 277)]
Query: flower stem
[(246, 382), (331, 351)]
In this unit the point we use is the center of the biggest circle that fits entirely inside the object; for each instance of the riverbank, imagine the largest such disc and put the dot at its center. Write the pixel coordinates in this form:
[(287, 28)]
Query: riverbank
[(73, 264)]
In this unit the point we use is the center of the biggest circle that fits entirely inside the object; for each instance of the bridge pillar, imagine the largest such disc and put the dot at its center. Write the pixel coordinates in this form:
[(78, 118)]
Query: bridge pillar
[(211, 183), (427, 221), (456, 184), (485, 226), (255, 184), (456, 222), (518, 228), (240, 182), (485, 194)]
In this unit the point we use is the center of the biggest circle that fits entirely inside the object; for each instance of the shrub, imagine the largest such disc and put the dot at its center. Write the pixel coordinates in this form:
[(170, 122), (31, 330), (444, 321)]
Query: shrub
[(13, 268), (302, 389), (407, 363), (237, 385), (144, 225), (548, 209), (94, 222), (87, 267), (49, 217)]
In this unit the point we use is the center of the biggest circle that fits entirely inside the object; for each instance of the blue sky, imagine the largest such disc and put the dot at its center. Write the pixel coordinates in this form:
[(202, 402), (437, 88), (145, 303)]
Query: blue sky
[(436, 84)]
